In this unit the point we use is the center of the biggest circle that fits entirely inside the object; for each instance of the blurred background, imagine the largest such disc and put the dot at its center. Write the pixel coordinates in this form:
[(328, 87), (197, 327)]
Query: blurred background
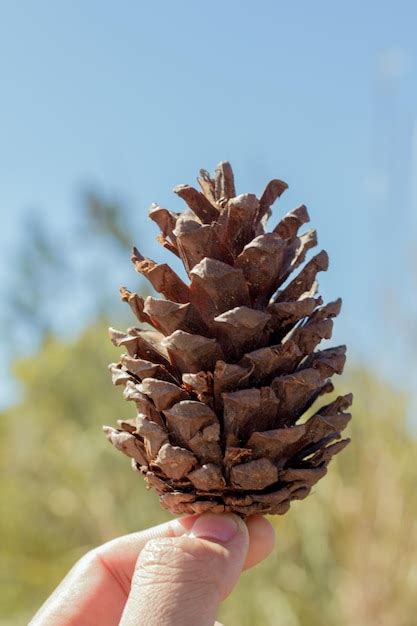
[(104, 108)]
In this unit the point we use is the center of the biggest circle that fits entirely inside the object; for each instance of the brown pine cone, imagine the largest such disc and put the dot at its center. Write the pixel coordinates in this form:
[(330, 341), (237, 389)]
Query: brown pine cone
[(228, 364)]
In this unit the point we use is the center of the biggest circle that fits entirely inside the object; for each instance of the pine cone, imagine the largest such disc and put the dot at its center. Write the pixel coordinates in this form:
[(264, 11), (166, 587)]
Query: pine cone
[(230, 364)]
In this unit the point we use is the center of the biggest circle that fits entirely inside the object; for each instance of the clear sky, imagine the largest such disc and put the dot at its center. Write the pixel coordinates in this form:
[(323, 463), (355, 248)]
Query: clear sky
[(135, 97)]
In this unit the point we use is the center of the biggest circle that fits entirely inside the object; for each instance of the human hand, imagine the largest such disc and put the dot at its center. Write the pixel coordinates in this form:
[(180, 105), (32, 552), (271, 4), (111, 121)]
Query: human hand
[(175, 574)]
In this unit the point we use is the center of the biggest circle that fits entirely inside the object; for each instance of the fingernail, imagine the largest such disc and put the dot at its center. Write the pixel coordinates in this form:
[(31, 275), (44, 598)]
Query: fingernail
[(219, 528)]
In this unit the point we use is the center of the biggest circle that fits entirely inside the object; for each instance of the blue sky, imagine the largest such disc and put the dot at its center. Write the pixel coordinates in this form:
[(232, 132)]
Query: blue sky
[(135, 97)]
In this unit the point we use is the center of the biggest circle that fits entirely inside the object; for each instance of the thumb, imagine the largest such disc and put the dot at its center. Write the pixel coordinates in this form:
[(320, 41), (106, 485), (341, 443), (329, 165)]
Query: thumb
[(182, 580)]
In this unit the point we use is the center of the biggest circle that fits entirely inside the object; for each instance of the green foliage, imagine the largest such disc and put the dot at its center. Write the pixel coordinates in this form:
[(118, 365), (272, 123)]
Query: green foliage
[(347, 555), (65, 489), (344, 556)]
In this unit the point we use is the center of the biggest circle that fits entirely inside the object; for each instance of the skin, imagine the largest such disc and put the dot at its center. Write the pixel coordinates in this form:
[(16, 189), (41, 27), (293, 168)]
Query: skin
[(172, 574)]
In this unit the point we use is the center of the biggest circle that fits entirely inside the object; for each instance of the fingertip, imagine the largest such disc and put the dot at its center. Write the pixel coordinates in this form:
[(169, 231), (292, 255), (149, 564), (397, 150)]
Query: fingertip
[(261, 540), (261, 524)]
